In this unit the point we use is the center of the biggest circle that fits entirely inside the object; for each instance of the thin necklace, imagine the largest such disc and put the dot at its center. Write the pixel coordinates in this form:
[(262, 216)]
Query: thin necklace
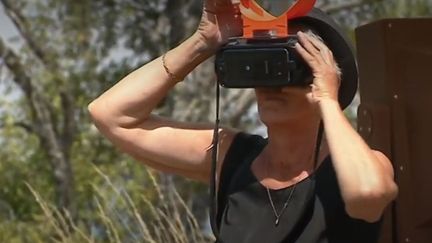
[(285, 206), (314, 158)]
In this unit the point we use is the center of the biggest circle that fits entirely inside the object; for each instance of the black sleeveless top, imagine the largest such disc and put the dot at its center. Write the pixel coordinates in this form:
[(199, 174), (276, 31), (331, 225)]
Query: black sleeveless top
[(315, 214)]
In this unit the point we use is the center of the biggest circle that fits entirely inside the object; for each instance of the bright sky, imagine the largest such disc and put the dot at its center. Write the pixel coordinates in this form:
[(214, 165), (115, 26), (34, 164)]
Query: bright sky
[(7, 30), (9, 35)]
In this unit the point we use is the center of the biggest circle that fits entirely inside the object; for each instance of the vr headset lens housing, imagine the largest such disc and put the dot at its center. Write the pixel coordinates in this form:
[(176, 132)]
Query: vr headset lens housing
[(261, 63)]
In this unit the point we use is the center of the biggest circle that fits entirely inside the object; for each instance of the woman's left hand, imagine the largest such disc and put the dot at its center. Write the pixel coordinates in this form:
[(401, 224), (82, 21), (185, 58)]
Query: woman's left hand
[(326, 73)]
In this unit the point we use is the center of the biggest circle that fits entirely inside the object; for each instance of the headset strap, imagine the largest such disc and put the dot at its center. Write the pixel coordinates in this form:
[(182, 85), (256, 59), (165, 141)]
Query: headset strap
[(213, 175)]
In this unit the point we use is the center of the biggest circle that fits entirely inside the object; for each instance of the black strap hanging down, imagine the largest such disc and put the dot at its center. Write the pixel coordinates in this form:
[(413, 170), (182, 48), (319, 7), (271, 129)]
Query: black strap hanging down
[(213, 175), (318, 143)]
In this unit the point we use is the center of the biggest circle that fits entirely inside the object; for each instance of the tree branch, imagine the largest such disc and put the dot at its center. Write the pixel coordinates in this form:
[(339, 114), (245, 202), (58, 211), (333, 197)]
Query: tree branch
[(22, 26), (69, 125), (12, 63), (26, 127)]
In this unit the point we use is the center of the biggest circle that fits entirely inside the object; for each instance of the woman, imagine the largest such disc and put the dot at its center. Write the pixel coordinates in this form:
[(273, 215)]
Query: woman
[(292, 186)]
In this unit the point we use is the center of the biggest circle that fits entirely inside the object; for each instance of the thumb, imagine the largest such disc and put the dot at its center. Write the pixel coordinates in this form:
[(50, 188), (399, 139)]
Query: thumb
[(310, 97)]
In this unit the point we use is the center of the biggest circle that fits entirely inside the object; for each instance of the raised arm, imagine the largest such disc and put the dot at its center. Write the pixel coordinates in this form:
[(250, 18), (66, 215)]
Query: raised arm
[(123, 113), (365, 176)]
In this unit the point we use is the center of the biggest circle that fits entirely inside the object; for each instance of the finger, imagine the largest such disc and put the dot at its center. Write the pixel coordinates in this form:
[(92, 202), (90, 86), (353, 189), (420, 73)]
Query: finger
[(223, 2), (304, 41), (330, 60), (216, 6), (324, 51), (209, 11), (316, 42), (310, 97), (314, 88), (311, 60), (327, 57)]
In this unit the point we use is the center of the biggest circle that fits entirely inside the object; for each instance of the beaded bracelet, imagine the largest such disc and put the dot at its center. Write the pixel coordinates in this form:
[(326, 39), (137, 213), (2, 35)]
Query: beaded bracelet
[(172, 76)]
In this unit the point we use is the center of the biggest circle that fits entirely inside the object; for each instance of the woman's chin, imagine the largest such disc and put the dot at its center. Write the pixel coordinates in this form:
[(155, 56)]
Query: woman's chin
[(283, 113), (276, 116)]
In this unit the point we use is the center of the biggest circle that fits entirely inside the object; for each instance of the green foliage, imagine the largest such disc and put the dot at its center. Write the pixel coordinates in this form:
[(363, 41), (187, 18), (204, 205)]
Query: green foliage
[(19, 164)]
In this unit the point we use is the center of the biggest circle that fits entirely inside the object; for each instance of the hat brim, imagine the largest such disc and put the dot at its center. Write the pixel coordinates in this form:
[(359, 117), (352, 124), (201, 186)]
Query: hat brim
[(343, 53)]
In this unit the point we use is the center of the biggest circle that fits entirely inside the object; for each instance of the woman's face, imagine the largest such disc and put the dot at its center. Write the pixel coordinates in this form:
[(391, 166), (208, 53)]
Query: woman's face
[(283, 104)]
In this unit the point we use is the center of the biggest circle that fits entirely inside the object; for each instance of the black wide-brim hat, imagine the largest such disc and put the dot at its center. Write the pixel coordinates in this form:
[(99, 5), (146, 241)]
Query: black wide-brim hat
[(338, 43)]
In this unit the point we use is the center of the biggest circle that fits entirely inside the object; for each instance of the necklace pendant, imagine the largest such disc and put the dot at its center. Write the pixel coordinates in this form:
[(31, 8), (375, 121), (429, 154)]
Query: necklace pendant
[(277, 221)]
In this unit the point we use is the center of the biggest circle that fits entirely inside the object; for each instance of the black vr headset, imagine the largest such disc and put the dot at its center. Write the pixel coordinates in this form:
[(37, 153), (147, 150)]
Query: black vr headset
[(261, 62)]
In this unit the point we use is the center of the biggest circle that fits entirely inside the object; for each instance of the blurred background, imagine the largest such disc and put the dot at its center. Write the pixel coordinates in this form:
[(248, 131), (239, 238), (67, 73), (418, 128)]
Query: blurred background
[(60, 180)]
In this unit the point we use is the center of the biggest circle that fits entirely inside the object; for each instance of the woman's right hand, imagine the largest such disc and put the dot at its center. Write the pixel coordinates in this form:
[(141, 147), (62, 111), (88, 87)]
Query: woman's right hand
[(221, 19)]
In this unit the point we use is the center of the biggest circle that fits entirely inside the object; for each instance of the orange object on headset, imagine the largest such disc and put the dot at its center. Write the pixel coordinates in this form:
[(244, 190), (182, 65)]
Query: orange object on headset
[(256, 19)]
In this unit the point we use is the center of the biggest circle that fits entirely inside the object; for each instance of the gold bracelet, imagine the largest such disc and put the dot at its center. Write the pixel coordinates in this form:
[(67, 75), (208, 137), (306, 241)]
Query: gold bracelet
[(172, 76)]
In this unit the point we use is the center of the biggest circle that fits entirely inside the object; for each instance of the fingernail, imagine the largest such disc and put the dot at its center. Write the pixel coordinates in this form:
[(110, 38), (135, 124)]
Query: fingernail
[(299, 33)]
